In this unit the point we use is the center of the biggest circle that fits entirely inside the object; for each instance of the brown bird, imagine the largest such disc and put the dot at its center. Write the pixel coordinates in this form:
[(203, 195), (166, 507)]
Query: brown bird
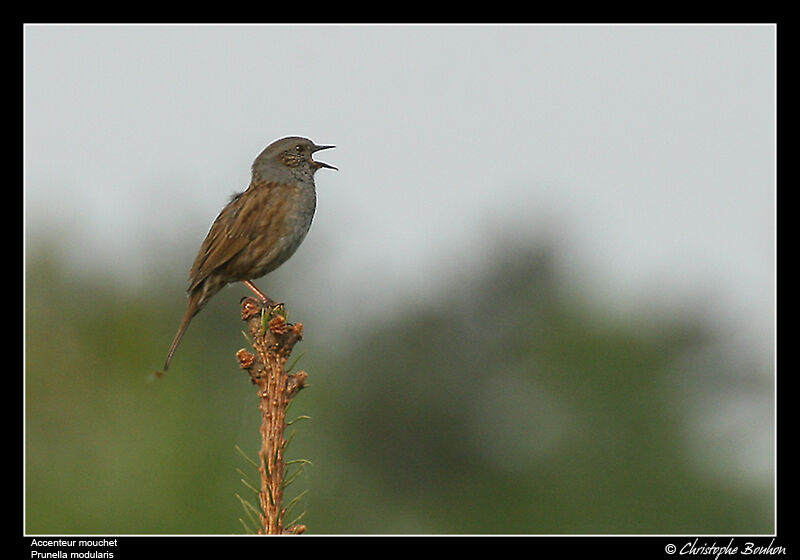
[(259, 229)]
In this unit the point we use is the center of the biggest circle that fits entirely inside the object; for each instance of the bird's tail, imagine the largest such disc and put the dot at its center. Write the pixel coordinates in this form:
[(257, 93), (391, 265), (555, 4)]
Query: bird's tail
[(191, 310)]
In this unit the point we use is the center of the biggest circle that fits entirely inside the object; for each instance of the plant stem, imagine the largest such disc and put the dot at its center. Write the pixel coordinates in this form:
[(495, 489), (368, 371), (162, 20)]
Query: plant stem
[(276, 388)]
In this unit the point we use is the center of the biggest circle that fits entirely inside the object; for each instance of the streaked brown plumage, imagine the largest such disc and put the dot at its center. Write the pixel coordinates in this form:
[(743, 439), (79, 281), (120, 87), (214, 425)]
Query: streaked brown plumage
[(259, 229)]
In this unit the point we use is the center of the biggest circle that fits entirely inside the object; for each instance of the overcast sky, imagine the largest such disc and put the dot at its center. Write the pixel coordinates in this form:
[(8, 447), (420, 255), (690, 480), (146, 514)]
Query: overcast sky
[(647, 152)]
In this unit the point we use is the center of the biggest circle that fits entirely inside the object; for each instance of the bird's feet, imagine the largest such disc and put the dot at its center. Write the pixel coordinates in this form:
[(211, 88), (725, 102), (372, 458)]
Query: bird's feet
[(265, 300), (274, 309), (267, 305)]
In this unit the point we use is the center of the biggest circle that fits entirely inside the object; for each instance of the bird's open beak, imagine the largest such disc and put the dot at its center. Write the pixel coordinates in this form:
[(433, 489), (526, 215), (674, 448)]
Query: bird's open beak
[(319, 164)]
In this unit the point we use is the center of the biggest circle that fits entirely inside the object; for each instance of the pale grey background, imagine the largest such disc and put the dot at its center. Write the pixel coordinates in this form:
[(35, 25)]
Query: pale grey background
[(645, 153)]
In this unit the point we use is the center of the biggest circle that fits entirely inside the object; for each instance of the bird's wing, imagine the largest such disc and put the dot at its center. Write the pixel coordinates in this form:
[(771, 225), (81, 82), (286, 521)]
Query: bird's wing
[(252, 214), (225, 239)]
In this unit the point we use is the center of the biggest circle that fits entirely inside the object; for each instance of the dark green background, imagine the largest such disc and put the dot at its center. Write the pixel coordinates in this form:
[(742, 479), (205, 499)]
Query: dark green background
[(513, 404)]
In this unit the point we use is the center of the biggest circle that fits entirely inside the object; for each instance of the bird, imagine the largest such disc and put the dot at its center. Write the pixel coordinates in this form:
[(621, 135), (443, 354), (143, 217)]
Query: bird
[(259, 229)]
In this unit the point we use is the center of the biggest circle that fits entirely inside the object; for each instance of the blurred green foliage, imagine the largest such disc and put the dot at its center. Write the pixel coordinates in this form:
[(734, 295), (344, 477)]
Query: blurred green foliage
[(511, 406)]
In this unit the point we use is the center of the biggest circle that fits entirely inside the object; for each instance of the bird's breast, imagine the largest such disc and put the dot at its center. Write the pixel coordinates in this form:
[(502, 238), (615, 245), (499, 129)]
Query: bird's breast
[(284, 226)]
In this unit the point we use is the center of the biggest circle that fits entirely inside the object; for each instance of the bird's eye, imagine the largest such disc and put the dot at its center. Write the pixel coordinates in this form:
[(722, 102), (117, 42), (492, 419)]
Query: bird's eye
[(299, 148)]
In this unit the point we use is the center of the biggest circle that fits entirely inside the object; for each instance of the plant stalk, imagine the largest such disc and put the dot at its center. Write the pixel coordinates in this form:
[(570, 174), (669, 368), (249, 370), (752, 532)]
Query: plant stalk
[(272, 343)]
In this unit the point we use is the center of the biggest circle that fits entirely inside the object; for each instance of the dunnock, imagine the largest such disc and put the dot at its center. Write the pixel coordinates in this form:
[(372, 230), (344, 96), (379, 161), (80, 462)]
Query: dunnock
[(259, 229)]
